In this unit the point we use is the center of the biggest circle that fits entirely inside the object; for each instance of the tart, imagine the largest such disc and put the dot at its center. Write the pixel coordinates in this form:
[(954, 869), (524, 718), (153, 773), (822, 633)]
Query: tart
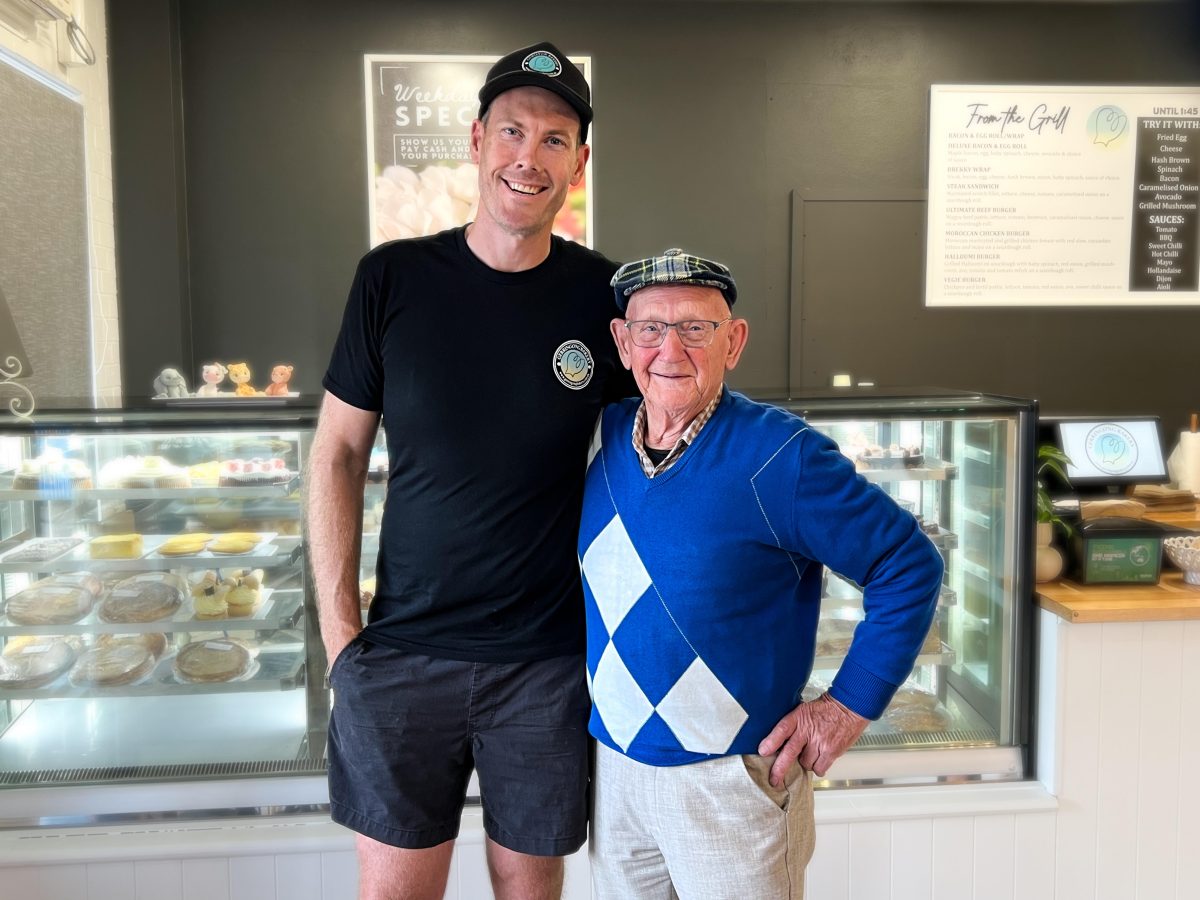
[(114, 665), (143, 598), (35, 663), (57, 600), (213, 660), (153, 641)]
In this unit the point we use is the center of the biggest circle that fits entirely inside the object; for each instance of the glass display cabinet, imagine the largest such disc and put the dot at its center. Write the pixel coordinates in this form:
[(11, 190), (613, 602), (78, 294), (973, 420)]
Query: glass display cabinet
[(159, 649), (154, 619), (962, 464)]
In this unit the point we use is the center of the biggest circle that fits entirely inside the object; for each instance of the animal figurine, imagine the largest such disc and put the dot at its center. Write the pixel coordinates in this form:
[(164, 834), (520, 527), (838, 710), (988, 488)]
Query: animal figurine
[(280, 376), (213, 374), (170, 385), (239, 374)]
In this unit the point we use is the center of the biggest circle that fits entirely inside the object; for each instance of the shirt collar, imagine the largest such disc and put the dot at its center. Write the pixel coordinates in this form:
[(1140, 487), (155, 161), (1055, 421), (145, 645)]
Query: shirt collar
[(685, 440)]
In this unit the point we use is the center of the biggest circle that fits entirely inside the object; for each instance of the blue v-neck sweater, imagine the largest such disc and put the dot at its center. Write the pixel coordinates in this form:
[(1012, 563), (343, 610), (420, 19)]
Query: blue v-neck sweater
[(703, 584)]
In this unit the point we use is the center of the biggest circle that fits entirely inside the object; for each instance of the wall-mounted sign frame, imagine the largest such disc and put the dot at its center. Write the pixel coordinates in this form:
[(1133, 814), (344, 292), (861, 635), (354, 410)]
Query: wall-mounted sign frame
[(1063, 196), (420, 178)]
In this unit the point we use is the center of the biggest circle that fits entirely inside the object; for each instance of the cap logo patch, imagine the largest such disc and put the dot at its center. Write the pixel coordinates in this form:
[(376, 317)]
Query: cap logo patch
[(573, 364), (542, 63)]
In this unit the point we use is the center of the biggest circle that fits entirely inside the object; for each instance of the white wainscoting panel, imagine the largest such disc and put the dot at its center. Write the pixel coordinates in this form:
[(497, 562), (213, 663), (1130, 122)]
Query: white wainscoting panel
[(1127, 761), (298, 876), (339, 875), (206, 879), (828, 874), (953, 858), (912, 856), (111, 881), (158, 879)]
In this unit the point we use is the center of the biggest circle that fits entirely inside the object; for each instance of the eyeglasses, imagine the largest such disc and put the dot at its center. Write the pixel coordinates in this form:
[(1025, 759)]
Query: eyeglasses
[(692, 332)]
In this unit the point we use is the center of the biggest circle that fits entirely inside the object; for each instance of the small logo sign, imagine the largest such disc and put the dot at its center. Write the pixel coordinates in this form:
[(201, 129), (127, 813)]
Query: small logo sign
[(1111, 449), (573, 364), (542, 63)]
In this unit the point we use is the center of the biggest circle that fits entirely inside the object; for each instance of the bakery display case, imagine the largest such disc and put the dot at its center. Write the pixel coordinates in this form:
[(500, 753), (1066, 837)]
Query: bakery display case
[(158, 629), (155, 623), (962, 464)]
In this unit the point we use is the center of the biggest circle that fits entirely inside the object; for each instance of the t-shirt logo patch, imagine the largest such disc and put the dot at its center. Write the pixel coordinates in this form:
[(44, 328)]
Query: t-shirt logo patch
[(573, 364)]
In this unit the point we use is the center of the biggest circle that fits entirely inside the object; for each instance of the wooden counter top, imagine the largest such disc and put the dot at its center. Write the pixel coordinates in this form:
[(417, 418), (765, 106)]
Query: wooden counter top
[(1169, 600)]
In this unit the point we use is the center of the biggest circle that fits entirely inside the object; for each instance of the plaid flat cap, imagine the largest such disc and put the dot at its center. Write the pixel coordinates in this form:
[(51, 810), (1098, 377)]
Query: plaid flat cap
[(673, 267)]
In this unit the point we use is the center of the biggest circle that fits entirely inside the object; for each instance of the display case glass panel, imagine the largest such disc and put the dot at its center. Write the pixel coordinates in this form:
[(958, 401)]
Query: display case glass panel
[(154, 616), (961, 464)]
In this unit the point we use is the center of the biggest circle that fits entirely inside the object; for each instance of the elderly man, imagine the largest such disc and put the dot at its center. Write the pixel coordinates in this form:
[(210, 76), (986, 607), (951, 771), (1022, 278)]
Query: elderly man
[(707, 518)]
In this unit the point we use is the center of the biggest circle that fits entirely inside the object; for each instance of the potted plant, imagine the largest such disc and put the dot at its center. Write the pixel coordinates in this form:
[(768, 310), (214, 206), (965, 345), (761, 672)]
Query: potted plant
[(1048, 562)]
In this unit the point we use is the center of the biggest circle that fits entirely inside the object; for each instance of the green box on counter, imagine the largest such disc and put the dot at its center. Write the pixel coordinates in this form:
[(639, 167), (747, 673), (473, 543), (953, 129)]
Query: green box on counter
[(1117, 551)]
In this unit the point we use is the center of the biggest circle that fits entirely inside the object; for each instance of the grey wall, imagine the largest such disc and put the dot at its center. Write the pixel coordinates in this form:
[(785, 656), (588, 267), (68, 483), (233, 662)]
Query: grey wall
[(708, 116)]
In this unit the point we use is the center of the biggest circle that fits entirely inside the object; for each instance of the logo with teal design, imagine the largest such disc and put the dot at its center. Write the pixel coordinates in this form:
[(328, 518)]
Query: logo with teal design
[(542, 63), (1111, 449), (573, 364), (1107, 126)]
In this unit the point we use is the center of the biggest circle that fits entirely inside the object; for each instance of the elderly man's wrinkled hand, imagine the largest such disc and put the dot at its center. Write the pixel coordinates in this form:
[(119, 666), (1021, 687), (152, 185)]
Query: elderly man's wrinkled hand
[(815, 734)]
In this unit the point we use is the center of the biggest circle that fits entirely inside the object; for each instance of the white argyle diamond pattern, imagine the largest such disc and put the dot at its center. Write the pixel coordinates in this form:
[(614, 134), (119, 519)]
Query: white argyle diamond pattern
[(619, 701), (700, 712), (615, 573)]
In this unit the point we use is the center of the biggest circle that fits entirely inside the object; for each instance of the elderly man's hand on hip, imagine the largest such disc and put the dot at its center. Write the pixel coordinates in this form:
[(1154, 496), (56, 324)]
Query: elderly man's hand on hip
[(813, 734)]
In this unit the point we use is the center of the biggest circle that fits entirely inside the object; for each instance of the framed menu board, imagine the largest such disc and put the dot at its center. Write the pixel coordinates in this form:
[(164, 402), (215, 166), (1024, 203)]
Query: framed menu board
[(420, 178), (1063, 196)]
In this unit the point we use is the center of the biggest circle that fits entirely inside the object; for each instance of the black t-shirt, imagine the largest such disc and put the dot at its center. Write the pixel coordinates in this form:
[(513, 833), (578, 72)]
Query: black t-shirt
[(490, 384)]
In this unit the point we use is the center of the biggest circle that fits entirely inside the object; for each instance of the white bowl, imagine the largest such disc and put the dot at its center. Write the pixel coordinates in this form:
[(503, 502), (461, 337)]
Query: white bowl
[(1185, 553)]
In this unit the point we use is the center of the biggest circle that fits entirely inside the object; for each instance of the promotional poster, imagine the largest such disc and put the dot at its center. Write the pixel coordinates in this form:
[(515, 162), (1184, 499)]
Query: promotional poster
[(420, 176)]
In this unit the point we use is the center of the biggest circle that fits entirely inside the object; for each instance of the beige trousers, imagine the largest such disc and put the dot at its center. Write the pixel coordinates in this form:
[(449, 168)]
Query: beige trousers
[(712, 830)]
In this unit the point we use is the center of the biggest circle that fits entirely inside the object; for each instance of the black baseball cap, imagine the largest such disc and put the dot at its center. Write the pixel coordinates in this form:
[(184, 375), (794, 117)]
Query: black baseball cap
[(541, 65)]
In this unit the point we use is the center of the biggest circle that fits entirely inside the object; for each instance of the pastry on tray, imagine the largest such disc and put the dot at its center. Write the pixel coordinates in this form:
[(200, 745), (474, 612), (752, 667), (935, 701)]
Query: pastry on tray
[(153, 641), (116, 546), (147, 597), (42, 549), (212, 660), (112, 665), (56, 600), (34, 661)]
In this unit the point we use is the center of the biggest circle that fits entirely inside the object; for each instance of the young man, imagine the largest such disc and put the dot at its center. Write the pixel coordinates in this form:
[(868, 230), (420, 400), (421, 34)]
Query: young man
[(485, 350), (706, 521)]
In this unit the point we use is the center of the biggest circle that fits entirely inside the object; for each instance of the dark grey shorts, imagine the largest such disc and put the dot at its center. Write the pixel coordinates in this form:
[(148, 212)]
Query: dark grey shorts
[(407, 729)]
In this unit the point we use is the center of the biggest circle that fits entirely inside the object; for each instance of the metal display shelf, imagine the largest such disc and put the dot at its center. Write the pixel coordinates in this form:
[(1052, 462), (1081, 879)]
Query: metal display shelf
[(931, 470), (271, 551), (947, 656), (275, 669), (943, 539), (277, 609), (265, 491)]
